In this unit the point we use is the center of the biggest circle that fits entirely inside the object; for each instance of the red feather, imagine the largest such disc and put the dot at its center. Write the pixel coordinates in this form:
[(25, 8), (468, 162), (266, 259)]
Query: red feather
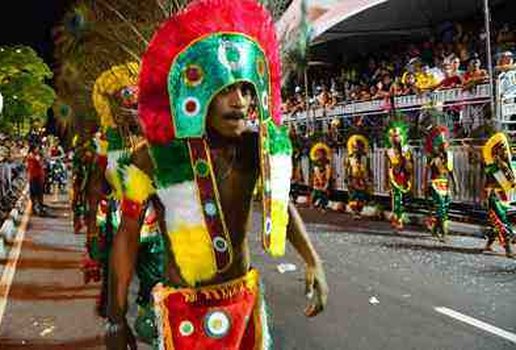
[(436, 131), (200, 18)]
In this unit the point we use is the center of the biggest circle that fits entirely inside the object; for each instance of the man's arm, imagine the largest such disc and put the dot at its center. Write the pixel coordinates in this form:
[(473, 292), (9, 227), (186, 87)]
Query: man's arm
[(121, 268), (315, 276), (93, 195), (122, 263)]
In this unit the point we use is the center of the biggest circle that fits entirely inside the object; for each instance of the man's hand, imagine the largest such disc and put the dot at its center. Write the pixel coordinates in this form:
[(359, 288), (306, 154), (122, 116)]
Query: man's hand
[(316, 290), (119, 336)]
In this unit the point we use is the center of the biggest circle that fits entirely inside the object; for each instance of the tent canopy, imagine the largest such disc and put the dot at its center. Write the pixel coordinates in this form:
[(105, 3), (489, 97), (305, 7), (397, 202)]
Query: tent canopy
[(396, 17)]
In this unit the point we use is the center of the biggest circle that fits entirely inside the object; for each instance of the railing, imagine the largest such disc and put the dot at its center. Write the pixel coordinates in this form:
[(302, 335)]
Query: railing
[(479, 94), (468, 172)]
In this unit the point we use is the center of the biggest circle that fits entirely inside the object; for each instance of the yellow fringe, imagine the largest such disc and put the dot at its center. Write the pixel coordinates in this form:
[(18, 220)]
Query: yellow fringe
[(279, 215), (138, 185), (221, 291)]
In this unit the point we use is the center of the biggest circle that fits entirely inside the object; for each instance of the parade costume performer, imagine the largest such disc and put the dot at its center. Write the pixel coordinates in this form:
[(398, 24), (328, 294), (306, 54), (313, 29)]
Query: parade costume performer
[(399, 170), (440, 169), (500, 180), (194, 89), (320, 155), (358, 173), (82, 162), (115, 99)]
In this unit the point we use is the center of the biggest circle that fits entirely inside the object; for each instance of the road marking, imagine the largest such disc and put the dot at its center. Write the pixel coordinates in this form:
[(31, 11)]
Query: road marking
[(476, 323), (12, 260)]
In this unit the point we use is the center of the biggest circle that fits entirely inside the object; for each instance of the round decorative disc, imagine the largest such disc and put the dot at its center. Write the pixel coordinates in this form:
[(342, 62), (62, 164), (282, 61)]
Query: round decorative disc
[(268, 226), (220, 244), (210, 208), (186, 328), (191, 106), (202, 168), (193, 75), (265, 101), (260, 67), (217, 324)]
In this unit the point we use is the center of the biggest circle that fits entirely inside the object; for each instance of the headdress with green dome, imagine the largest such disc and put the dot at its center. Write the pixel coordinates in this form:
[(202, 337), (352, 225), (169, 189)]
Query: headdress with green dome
[(191, 58)]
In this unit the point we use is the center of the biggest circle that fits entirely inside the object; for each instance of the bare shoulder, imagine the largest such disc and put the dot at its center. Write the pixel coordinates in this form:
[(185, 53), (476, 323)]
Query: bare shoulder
[(141, 158)]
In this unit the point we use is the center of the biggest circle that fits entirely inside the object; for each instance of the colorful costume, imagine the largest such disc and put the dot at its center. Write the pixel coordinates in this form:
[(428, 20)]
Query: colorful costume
[(116, 87), (500, 181), (399, 171), (358, 173), (82, 163), (191, 58), (440, 165), (320, 155)]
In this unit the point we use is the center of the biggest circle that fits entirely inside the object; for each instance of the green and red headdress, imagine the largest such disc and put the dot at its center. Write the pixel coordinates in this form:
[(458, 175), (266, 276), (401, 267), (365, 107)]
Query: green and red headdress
[(396, 128), (205, 48), (437, 136)]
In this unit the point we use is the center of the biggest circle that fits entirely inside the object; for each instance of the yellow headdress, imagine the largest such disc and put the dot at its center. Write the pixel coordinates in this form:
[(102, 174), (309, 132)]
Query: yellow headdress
[(354, 139), (109, 83), (319, 146), (496, 139)]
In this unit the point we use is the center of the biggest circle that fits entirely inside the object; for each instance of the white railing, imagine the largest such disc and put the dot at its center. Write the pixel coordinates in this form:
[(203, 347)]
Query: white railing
[(479, 94), (467, 171)]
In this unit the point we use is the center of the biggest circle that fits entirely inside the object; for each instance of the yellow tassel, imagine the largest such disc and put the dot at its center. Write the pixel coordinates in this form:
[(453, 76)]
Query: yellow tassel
[(193, 251), (138, 185), (279, 215)]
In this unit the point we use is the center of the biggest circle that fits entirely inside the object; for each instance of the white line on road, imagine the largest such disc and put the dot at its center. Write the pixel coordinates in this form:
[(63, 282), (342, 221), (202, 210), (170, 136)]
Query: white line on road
[(12, 260), (476, 323)]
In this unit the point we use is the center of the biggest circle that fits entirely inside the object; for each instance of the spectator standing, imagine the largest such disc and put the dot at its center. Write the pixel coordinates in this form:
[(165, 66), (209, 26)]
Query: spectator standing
[(36, 175)]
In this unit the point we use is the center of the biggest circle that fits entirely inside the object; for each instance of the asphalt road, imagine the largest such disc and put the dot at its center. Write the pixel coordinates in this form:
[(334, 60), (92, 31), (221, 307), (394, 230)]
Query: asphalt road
[(384, 290)]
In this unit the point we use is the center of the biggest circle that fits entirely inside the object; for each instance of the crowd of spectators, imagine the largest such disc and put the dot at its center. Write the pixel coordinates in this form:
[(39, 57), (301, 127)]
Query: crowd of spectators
[(454, 60), (12, 154)]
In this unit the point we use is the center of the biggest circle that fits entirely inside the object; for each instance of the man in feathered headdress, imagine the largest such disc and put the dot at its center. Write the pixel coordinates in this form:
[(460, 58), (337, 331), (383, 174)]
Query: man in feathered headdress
[(195, 86), (320, 155), (358, 173), (115, 100), (399, 170), (500, 182), (440, 169)]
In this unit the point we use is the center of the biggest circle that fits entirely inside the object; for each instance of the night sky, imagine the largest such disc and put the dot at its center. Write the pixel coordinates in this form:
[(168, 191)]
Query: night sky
[(29, 22)]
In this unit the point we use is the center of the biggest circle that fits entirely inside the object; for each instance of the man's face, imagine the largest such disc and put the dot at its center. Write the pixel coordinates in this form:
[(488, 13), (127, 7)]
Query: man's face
[(456, 63), (387, 80), (228, 110), (411, 79), (396, 136)]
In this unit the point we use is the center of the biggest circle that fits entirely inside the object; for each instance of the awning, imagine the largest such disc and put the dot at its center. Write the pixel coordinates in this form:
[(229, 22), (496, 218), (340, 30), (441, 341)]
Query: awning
[(350, 19)]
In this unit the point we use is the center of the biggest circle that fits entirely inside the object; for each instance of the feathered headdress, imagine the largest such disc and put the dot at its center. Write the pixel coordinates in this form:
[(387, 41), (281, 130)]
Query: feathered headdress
[(437, 135), (191, 58), (117, 83), (354, 139), (497, 140), (317, 148), (396, 127)]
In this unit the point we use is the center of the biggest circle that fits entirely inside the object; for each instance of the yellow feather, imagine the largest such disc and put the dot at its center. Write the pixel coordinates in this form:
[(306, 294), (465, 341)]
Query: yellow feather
[(193, 252), (138, 185)]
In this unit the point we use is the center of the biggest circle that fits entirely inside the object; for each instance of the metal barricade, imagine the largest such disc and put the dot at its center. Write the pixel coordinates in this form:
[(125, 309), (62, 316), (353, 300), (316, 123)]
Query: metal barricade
[(468, 172)]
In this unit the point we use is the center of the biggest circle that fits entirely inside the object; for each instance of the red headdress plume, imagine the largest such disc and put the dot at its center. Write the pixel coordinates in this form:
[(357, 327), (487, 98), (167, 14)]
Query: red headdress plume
[(199, 19), (432, 136)]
